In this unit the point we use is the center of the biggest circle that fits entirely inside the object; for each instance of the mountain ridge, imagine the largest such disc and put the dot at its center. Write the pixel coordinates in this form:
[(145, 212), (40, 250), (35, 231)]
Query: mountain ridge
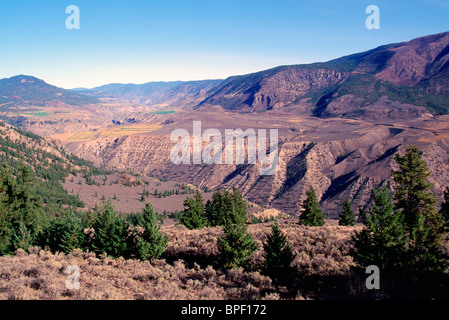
[(412, 73), (29, 90), (368, 75)]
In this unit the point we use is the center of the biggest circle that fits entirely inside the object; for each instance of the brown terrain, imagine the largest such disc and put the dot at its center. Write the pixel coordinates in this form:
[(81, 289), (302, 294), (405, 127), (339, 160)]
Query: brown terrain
[(187, 270), (125, 193), (339, 157), (340, 123)]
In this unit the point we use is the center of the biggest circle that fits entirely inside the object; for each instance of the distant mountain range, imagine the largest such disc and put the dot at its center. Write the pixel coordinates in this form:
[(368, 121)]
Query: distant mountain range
[(28, 90), (158, 94), (413, 73)]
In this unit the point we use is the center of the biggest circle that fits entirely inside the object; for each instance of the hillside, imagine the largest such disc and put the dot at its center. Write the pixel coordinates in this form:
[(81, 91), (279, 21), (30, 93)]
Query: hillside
[(49, 160), (27, 90), (409, 73), (176, 94), (339, 157)]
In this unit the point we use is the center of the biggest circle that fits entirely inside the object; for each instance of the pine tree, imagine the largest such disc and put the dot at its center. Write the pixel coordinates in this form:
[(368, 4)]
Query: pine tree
[(194, 212), (64, 233), (347, 217), (111, 232), (7, 186), (149, 242), (423, 223), (278, 256), (225, 207), (444, 211), (21, 211), (362, 215), (413, 192), (382, 242), (21, 237), (237, 246), (312, 215)]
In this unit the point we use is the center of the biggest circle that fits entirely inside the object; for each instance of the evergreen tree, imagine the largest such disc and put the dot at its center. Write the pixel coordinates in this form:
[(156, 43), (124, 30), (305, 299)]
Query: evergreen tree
[(21, 237), (362, 215), (278, 256), (111, 232), (225, 207), (21, 211), (237, 246), (7, 187), (149, 242), (194, 212), (382, 242), (423, 223), (64, 233), (312, 215), (444, 211), (347, 217)]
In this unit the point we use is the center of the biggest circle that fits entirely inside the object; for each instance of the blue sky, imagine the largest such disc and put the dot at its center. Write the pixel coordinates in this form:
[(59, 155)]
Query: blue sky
[(137, 41)]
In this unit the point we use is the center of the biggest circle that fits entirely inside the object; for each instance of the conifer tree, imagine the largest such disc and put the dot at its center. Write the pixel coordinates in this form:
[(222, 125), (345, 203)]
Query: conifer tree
[(423, 223), (225, 207), (312, 215), (21, 237), (347, 217), (7, 186), (278, 256), (237, 246), (111, 232), (149, 242), (194, 212), (64, 233), (21, 211), (444, 211), (382, 242)]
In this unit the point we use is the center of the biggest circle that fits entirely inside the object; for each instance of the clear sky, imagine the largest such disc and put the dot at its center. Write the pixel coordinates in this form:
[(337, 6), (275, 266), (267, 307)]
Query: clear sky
[(137, 41)]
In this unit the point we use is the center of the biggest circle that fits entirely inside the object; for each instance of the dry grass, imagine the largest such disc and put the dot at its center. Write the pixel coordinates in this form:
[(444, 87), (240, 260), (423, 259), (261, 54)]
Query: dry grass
[(187, 270)]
